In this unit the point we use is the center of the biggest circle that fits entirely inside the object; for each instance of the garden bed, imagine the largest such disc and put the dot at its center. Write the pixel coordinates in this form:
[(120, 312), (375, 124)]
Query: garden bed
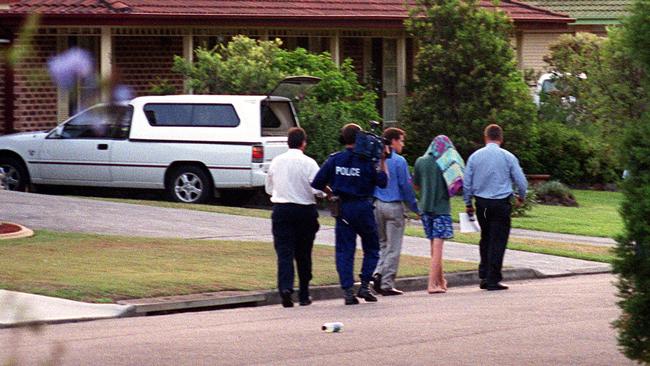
[(14, 231), (6, 228)]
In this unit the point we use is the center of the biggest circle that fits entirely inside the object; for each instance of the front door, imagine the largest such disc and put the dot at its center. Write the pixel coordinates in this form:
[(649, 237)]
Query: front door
[(80, 160)]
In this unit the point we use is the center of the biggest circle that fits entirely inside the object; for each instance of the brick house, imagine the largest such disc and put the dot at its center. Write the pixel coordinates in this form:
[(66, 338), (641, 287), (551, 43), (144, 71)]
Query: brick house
[(593, 16), (136, 40)]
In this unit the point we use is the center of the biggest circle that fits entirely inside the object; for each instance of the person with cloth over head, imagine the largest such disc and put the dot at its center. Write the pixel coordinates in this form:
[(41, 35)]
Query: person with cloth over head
[(353, 178), (438, 175)]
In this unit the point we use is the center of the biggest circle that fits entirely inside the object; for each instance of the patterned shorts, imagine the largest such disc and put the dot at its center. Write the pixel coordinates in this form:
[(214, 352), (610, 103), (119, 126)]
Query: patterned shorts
[(437, 226)]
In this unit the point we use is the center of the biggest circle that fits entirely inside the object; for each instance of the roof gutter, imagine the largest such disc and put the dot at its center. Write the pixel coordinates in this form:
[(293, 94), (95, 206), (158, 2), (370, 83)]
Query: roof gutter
[(239, 19)]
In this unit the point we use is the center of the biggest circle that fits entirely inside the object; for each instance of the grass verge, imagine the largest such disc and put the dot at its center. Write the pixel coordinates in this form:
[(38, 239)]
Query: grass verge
[(597, 215), (100, 268), (576, 251)]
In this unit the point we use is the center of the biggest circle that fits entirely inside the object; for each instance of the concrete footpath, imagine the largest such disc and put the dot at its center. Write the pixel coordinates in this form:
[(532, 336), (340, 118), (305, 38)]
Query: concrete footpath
[(71, 214)]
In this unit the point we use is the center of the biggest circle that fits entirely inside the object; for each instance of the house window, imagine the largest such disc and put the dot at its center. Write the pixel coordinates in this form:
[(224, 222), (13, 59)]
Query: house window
[(86, 92)]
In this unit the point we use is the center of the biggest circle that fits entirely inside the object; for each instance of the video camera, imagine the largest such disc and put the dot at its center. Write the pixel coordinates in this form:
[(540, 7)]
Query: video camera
[(370, 144)]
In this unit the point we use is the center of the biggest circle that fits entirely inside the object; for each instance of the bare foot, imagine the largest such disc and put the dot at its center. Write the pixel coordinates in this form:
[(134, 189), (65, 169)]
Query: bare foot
[(437, 290)]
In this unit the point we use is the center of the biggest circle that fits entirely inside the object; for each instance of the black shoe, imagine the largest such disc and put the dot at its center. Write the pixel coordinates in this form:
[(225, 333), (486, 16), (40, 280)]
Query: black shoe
[(364, 293), (287, 302), (349, 297), (392, 292), (305, 302), (376, 283), (496, 287), (483, 284)]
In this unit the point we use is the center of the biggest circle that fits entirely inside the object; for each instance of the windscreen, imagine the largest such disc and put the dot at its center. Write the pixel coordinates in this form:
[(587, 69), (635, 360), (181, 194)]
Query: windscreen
[(277, 118)]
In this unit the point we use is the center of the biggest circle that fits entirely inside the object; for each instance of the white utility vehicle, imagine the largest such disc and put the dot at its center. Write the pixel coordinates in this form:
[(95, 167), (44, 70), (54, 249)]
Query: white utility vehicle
[(189, 145)]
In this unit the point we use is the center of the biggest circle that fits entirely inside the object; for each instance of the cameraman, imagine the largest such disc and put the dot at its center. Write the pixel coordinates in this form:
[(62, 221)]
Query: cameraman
[(353, 179), (389, 213)]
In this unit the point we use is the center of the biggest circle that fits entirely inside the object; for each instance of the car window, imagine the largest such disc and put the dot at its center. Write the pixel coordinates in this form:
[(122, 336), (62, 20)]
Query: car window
[(197, 115), (101, 122), (277, 118)]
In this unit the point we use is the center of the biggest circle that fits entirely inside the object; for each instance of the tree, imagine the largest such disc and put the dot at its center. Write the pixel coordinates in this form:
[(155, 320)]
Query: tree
[(610, 91), (632, 262), (599, 92), (467, 78), (248, 66)]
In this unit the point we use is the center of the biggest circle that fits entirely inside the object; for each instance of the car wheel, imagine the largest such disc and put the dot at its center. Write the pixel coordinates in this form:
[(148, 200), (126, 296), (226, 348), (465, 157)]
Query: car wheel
[(16, 177), (189, 184)]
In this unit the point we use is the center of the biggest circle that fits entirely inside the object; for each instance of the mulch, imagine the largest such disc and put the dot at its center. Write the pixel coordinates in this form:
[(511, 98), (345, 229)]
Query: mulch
[(9, 228)]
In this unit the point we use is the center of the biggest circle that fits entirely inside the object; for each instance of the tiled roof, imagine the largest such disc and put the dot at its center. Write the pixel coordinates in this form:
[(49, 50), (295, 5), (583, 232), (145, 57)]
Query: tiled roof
[(60, 7), (588, 9), (284, 9)]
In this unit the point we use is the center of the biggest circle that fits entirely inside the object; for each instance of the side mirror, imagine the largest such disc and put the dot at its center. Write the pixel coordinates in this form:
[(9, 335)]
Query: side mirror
[(56, 133)]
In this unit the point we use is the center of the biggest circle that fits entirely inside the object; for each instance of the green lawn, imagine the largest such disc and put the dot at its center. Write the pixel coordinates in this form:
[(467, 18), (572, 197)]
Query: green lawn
[(100, 268), (597, 215)]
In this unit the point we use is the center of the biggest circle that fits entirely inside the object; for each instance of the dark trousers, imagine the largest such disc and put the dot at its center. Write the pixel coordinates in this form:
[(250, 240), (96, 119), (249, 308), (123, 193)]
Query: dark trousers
[(356, 217), (294, 230), (494, 217)]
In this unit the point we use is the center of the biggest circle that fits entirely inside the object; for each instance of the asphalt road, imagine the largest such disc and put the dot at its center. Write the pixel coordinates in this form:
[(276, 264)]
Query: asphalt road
[(558, 321)]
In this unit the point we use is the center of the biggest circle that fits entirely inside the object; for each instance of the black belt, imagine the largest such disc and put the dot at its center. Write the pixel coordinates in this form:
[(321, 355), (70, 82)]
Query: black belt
[(293, 204), (388, 201)]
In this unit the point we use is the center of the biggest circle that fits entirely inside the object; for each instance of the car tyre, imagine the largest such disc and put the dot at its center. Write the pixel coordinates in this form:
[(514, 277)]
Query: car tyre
[(189, 184), (16, 176)]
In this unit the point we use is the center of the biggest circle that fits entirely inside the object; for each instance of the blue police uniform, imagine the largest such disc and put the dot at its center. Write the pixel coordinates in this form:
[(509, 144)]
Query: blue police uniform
[(353, 179)]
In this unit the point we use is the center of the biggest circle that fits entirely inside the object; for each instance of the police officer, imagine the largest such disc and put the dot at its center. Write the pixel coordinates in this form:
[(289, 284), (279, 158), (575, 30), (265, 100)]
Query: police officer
[(353, 179)]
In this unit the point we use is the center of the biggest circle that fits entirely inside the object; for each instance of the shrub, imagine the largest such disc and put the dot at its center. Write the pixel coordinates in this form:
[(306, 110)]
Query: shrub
[(610, 97), (529, 203), (243, 66), (467, 78), (568, 155), (632, 262), (162, 87), (555, 193), (338, 99)]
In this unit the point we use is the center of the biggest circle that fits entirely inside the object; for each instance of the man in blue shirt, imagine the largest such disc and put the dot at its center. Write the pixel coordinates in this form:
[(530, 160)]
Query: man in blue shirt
[(489, 175), (353, 179), (389, 214)]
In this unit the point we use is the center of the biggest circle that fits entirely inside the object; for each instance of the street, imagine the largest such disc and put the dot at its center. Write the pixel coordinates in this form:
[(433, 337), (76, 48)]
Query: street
[(555, 321)]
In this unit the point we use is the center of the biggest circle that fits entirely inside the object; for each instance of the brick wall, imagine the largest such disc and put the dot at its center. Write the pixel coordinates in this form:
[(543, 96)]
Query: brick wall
[(35, 95), (2, 90), (534, 47), (139, 60)]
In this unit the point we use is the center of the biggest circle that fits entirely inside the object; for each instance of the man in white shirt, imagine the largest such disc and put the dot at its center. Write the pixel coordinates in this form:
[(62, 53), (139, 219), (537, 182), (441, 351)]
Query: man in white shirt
[(294, 218)]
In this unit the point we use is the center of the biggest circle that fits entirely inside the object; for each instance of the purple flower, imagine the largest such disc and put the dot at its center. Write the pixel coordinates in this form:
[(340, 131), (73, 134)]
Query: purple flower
[(122, 93), (70, 65)]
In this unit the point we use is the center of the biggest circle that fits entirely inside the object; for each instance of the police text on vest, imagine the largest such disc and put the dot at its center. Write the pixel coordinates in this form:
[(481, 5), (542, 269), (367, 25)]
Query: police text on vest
[(350, 172)]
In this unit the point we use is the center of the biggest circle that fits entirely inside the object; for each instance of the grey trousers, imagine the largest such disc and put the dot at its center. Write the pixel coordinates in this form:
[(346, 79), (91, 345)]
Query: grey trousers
[(390, 226)]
